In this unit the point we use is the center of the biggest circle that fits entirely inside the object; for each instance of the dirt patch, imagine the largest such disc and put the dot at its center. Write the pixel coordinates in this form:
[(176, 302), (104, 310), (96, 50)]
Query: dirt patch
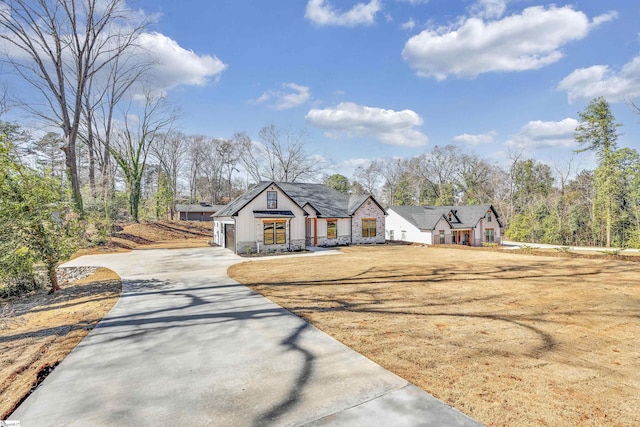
[(509, 339), (37, 331), (155, 235)]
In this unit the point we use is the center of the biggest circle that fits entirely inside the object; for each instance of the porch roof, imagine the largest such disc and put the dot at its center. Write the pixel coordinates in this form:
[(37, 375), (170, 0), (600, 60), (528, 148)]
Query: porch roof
[(273, 214)]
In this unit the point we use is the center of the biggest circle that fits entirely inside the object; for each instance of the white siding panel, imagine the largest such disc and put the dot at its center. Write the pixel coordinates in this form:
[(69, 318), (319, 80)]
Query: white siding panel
[(246, 225), (398, 224), (344, 227)]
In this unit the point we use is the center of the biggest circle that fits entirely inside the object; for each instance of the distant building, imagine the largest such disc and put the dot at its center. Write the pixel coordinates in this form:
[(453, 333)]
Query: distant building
[(453, 225), (199, 212)]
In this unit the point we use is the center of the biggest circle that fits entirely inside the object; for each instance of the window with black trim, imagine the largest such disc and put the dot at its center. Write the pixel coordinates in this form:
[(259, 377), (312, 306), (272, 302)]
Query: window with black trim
[(488, 216), (332, 229), (272, 200), (368, 227), (274, 232)]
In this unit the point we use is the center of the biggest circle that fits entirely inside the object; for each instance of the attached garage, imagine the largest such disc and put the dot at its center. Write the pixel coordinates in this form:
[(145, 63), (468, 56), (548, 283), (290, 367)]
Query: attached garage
[(230, 236)]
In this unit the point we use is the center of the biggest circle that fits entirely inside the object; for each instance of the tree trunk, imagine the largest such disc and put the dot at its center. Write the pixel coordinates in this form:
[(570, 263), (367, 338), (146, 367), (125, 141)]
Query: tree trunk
[(72, 176), (53, 278)]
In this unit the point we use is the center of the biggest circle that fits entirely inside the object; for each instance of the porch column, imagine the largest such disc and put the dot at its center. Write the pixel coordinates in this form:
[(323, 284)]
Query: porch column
[(315, 232)]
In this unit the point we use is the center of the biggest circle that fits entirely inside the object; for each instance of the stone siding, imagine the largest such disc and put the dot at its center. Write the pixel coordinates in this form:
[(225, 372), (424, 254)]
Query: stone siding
[(368, 210)]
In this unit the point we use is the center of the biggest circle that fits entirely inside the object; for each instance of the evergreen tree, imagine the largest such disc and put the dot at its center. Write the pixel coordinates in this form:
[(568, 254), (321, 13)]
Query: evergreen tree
[(598, 132)]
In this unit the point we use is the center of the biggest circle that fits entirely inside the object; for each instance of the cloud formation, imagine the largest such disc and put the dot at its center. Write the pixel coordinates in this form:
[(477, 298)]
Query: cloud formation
[(489, 9), (292, 95), (174, 65), (391, 127), (601, 80), (538, 134), (526, 41), (320, 12), (484, 138)]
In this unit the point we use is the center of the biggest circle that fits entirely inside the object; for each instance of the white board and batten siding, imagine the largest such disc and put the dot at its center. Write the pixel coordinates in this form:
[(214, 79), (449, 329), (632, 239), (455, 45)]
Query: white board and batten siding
[(398, 228), (249, 229)]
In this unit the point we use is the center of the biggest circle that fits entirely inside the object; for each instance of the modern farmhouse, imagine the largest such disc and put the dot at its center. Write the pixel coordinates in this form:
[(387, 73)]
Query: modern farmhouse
[(462, 225), (285, 216)]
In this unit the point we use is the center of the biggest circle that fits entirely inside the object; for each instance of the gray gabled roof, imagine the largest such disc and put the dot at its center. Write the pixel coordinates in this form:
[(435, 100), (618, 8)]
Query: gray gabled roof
[(198, 208), (422, 217), (327, 202), (232, 208), (426, 217)]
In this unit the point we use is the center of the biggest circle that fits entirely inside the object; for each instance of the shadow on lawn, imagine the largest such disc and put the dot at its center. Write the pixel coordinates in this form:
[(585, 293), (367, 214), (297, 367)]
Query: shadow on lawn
[(373, 294)]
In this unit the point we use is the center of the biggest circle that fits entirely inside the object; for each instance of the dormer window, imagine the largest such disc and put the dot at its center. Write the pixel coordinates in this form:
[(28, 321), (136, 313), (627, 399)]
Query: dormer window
[(272, 200)]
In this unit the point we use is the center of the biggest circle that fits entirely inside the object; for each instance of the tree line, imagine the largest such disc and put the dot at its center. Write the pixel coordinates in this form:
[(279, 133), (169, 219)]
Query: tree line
[(113, 152)]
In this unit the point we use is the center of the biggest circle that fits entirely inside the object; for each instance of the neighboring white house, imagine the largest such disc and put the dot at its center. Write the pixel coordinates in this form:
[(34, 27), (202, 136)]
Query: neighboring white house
[(463, 225), (284, 216)]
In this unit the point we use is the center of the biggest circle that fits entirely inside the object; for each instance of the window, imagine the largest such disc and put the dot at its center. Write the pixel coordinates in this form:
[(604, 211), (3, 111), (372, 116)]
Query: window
[(272, 200), (488, 216), (332, 229), (488, 235), (368, 227), (274, 232), (442, 237), (390, 234)]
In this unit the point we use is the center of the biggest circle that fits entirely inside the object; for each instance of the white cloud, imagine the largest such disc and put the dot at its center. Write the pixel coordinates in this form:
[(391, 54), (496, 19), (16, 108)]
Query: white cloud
[(174, 65), (409, 25), (601, 80), (489, 9), (387, 126), (484, 138), (526, 41), (538, 134), (292, 95), (322, 13), (414, 1), (355, 163)]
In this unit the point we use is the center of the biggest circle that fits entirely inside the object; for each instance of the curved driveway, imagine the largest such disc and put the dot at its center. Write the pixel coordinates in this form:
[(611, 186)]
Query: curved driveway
[(186, 345)]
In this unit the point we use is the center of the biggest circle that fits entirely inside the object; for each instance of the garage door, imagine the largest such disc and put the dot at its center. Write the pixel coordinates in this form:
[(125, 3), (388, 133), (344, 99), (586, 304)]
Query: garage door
[(230, 236)]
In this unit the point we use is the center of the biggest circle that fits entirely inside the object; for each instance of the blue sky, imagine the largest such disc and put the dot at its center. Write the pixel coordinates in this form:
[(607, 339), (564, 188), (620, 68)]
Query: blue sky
[(394, 78)]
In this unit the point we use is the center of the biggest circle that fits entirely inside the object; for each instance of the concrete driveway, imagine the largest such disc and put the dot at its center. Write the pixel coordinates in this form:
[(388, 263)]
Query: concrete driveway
[(186, 345)]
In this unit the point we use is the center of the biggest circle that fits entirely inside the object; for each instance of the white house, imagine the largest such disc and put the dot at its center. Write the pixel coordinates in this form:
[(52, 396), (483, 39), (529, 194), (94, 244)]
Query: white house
[(284, 216), (464, 225)]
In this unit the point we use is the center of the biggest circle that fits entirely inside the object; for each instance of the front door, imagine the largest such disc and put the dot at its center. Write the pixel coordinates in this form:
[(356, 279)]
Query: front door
[(230, 236)]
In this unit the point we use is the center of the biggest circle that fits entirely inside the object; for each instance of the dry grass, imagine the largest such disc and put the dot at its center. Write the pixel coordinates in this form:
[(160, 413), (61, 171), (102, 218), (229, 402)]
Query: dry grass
[(155, 235), (39, 330), (507, 338)]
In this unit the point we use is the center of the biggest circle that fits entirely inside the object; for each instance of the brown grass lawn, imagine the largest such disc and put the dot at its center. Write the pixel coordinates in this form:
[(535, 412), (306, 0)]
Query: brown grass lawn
[(38, 330), (507, 338)]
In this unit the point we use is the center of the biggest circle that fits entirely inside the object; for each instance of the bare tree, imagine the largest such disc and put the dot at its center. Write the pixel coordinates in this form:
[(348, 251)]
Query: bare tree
[(197, 159), (134, 140), (66, 43), (436, 173), (279, 156), (104, 93), (170, 153), (369, 176)]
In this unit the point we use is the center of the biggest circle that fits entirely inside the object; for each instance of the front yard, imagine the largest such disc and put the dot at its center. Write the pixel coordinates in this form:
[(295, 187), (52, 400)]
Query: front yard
[(507, 338)]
